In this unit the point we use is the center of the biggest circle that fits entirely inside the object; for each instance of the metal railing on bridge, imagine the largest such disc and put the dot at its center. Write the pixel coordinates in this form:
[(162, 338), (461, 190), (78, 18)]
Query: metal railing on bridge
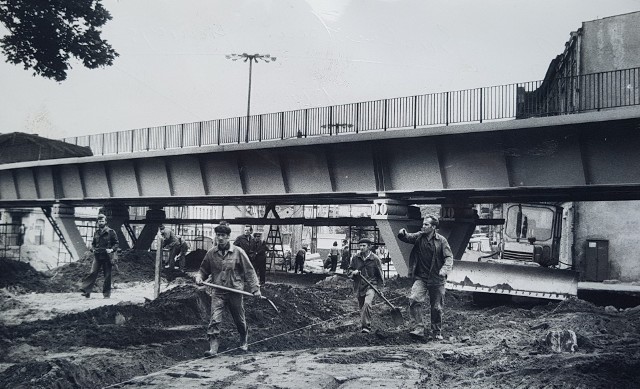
[(558, 96)]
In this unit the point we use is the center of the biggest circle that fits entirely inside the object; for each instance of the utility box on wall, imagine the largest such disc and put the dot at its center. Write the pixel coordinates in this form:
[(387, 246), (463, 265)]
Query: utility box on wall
[(597, 260)]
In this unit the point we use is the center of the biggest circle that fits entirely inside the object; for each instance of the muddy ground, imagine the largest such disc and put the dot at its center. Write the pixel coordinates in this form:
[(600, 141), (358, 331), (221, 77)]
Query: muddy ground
[(315, 338)]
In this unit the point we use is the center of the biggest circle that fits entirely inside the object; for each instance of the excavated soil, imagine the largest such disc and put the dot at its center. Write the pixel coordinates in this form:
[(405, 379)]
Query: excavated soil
[(499, 345)]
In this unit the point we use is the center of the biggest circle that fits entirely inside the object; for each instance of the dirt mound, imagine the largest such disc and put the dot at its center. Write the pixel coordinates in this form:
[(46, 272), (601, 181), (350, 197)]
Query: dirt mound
[(484, 347), (194, 259), (132, 266)]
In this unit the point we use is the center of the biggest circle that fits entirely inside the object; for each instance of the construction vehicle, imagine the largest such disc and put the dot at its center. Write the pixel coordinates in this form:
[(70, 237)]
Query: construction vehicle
[(527, 261)]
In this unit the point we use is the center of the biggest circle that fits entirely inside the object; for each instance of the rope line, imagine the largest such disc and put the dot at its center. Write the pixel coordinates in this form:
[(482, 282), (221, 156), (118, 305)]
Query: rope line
[(166, 368)]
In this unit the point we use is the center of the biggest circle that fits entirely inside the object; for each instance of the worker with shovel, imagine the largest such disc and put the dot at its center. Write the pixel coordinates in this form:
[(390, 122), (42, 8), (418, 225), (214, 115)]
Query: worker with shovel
[(365, 268), (229, 268)]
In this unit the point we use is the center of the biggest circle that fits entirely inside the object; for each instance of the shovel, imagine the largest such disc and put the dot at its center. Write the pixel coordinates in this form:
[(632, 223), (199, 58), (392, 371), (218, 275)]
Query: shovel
[(240, 292), (396, 315)]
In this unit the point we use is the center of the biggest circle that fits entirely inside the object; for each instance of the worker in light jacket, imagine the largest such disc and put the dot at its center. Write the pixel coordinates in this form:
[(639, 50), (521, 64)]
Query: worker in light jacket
[(228, 266)]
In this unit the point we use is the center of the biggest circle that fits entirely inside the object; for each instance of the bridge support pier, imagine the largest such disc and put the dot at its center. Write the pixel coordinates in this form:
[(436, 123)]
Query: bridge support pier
[(117, 215), (390, 217), (155, 217), (64, 216), (457, 223)]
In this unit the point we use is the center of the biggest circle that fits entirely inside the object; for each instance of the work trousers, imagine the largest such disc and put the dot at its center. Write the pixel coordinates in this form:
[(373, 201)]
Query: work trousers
[(334, 263), (219, 300), (101, 261), (418, 296), (365, 302), (299, 264), (260, 265), (178, 250)]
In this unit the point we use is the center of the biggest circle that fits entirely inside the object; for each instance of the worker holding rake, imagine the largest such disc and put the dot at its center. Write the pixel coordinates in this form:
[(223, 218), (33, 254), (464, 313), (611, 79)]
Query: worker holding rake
[(230, 268)]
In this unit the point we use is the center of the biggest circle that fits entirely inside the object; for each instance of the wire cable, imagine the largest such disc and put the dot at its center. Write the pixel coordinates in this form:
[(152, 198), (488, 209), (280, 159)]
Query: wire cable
[(165, 367)]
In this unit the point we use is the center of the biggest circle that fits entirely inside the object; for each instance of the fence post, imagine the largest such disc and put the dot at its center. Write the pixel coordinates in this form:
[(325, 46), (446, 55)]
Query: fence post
[(239, 121), (117, 142), (481, 108), (358, 117), (281, 125), (306, 121), (199, 134), (260, 128), (131, 140), (415, 111), (447, 108), (148, 138), (182, 135), (164, 139), (330, 123), (218, 131), (385, 114)]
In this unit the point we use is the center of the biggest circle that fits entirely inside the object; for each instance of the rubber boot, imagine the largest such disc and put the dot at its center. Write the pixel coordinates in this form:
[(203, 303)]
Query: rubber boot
[(244, 343), (213, 347)]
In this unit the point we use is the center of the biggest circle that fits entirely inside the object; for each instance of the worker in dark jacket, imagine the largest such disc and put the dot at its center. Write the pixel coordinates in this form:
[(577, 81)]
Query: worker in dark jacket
[(301, 255), (103, 246), (345, 256), (259, 250), (228, 266), (244, 241), (429, 263), (365, 264)]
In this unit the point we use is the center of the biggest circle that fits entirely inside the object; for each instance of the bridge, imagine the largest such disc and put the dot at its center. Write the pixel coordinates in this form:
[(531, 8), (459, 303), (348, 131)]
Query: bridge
[(573, 139)]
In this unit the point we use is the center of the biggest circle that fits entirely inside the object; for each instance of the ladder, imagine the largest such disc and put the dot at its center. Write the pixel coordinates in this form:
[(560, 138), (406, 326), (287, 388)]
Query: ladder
[(274, 240), (131, 233), (47, 213)]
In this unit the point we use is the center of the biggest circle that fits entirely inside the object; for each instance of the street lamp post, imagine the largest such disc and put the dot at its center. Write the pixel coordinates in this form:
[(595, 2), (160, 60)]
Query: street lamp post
[(250, 58)]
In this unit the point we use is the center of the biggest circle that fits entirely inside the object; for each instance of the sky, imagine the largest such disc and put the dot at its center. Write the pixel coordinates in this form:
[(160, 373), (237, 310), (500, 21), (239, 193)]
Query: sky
[(172, 67)]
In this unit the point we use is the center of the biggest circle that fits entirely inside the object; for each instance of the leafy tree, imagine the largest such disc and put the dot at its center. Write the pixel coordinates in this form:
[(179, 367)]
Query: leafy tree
[(45, 34)]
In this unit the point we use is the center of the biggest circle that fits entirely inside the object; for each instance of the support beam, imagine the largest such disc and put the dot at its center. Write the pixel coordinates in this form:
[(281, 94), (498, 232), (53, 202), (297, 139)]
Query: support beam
[(64, 217), (155, 217)]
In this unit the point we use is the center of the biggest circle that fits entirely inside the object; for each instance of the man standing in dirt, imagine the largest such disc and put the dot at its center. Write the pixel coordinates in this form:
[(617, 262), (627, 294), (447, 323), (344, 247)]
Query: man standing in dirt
[(430, 262), (346, 256), (105, 242), (259, 249), (300, 257), (228, 266), (365, 264)]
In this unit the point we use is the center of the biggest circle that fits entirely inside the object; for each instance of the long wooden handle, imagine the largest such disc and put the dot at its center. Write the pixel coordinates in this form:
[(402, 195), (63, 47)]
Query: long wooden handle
[(376, 290), (227, 289)]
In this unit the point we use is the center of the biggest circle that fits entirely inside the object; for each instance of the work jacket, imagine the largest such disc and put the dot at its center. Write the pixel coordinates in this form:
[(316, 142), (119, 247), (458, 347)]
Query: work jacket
[(104, 239), (442, 256), (259, 249), (346, 257), (369, 267), (231, 268), (245, 243)]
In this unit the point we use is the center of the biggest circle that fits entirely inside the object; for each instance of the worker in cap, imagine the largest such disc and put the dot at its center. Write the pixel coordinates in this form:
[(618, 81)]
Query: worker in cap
[(228, 266), (365, 264), (103, 245), (259, 249)]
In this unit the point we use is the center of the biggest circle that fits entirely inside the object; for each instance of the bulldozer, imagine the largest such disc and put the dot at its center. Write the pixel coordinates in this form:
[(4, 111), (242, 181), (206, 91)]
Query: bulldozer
[(527, 260)]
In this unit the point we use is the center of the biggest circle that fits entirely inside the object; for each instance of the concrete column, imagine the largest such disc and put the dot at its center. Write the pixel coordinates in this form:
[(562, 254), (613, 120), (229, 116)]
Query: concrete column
[(117, 215), (457, 223), (155, 217), (390, 217), (64, 216)]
